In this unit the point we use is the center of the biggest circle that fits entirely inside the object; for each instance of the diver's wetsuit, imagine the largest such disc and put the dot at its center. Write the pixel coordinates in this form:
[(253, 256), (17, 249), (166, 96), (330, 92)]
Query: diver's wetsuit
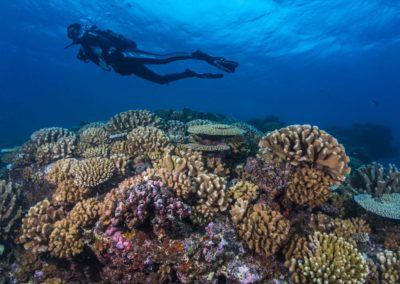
[(105, 48)]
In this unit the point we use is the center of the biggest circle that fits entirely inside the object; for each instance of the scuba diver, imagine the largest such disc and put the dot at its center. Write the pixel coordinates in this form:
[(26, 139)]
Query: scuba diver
[(109, 50)]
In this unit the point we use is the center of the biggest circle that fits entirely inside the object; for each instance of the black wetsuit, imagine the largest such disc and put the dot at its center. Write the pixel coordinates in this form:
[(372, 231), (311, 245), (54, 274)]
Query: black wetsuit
[(123, 56)]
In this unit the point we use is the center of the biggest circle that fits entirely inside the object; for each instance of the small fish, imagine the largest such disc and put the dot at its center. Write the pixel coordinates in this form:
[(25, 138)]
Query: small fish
[(9, 150)]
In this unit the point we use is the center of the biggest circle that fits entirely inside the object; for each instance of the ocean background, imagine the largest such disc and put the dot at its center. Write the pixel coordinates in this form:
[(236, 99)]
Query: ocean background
[(317, 62)]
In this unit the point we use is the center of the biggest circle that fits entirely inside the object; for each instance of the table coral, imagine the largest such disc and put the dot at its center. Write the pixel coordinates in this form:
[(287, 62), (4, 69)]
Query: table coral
[(92, 172), (299, 144), (327, 259), (387, 206), (131, 119), (264, 230), (215, 130), (10, 208), (149, 142), (65, 240), (37, 226), (309, 186)]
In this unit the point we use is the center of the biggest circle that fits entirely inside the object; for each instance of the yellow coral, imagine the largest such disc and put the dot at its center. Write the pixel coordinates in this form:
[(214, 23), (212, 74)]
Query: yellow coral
[(299, 144), (241, 195), (92, 172), (84, 212), (93, 152), (309, 186), (65, 240), (60, 170), (68, 192), (389, 267), (353, 230), (264, 230), (327, 259)]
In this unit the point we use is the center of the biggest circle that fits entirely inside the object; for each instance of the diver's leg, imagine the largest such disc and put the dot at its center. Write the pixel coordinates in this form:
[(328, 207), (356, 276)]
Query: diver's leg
[(145, 73), (144, 57)]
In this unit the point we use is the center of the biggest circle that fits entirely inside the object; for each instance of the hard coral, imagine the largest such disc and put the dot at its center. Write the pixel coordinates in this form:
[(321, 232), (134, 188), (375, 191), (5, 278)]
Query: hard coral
[(93, 137), (62, 148), (10, 208), (299, 144), (389, 267), (353, 230), (327, 259), (84, 212), (68, 193), (264, 230), (131, 119), (50, 135), (210, 190), (215, 130), (309, 186), (37, 226), (60, 170), (387, 206), (149, 142), (92, 172), (240, 196), (65, 240)]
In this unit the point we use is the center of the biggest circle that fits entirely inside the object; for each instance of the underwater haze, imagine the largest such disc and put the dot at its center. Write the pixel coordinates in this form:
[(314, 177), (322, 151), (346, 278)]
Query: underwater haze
[(327, 63)]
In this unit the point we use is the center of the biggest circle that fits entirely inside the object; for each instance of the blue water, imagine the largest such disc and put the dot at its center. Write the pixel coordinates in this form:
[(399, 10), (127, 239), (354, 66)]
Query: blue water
[(318, 62)]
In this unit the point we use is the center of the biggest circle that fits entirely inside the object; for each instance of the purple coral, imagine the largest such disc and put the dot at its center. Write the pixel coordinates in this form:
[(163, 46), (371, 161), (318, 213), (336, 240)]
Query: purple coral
[(151, 200)]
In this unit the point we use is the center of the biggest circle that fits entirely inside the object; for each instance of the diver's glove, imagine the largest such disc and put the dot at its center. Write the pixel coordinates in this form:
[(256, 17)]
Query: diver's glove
[(191, 73), (219, 62), (103, 64)]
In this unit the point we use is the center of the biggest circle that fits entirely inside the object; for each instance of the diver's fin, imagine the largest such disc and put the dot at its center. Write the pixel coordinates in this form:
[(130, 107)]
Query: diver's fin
[(203, 75), (225, 65)]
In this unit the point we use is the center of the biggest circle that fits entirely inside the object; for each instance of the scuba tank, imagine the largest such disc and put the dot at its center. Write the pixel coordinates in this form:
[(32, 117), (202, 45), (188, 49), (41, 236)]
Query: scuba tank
[(119, 41)]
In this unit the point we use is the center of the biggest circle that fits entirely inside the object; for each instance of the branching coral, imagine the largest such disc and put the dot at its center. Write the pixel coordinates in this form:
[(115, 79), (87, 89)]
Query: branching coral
[(373, 179), (327, 259), (68, 193), (387, 206), (10, 208), (389, 267), (65, 240), (62, 148), (38, 225), (264, 230), (122, 163), (241, 195), (93, 137), (309, 186), (353, 230), (92, 172), (210, 190), (149, 142), (299, 144), (50, 135), (176, 131), (131, 119), (84, 212), (93, 152), (60, 170)]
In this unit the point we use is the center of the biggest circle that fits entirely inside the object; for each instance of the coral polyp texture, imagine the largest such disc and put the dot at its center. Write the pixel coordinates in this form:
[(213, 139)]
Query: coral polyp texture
[(327, 259), (189, 197), (299, 144)]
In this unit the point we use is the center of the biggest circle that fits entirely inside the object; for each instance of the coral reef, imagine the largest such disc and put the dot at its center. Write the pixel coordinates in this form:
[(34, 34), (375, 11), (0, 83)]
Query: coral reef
[(327, 259), (92, 172), (387, 206), (65, 240), (131, 119), (306, 144), (264, 230), (10, 208), (68, 193), (84, 212)]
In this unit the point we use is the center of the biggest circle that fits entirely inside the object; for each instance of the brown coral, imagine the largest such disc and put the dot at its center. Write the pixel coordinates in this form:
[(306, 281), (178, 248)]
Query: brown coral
[(389, 267), (65, 240), (50, 135), (210, 190), (93, 152), (131, 119), (84, 212), (309, 186), (10, 208), (353, 230), (60, 170), (94, 137), (240, 196), (37, 226), (149, 142), (122, 163), (264, 230), (68, 193), (62, 148), (327, 259), (92, 172), (299, 144)]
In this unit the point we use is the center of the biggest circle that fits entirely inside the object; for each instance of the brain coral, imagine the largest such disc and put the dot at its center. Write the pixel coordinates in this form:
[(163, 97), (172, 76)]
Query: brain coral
[(10, 208), (327, 259), (92, 172), (309, 186), (131, 119), (37, 226), (150, 142), (387, 206), (264, 230), (65, 240), (299, 144)]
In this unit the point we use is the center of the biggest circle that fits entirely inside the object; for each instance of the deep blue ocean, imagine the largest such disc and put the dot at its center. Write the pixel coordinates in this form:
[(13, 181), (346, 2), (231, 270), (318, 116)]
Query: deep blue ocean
[(327, 63)]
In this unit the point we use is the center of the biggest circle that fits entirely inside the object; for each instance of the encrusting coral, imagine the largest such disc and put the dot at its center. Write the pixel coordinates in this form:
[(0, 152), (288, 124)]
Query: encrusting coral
[(149, 142), (65, 240), (309, 186), (326, 259), (10, 208), (264, 230), (131, 119), (92, 172), (37, 226), (306, 144)]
